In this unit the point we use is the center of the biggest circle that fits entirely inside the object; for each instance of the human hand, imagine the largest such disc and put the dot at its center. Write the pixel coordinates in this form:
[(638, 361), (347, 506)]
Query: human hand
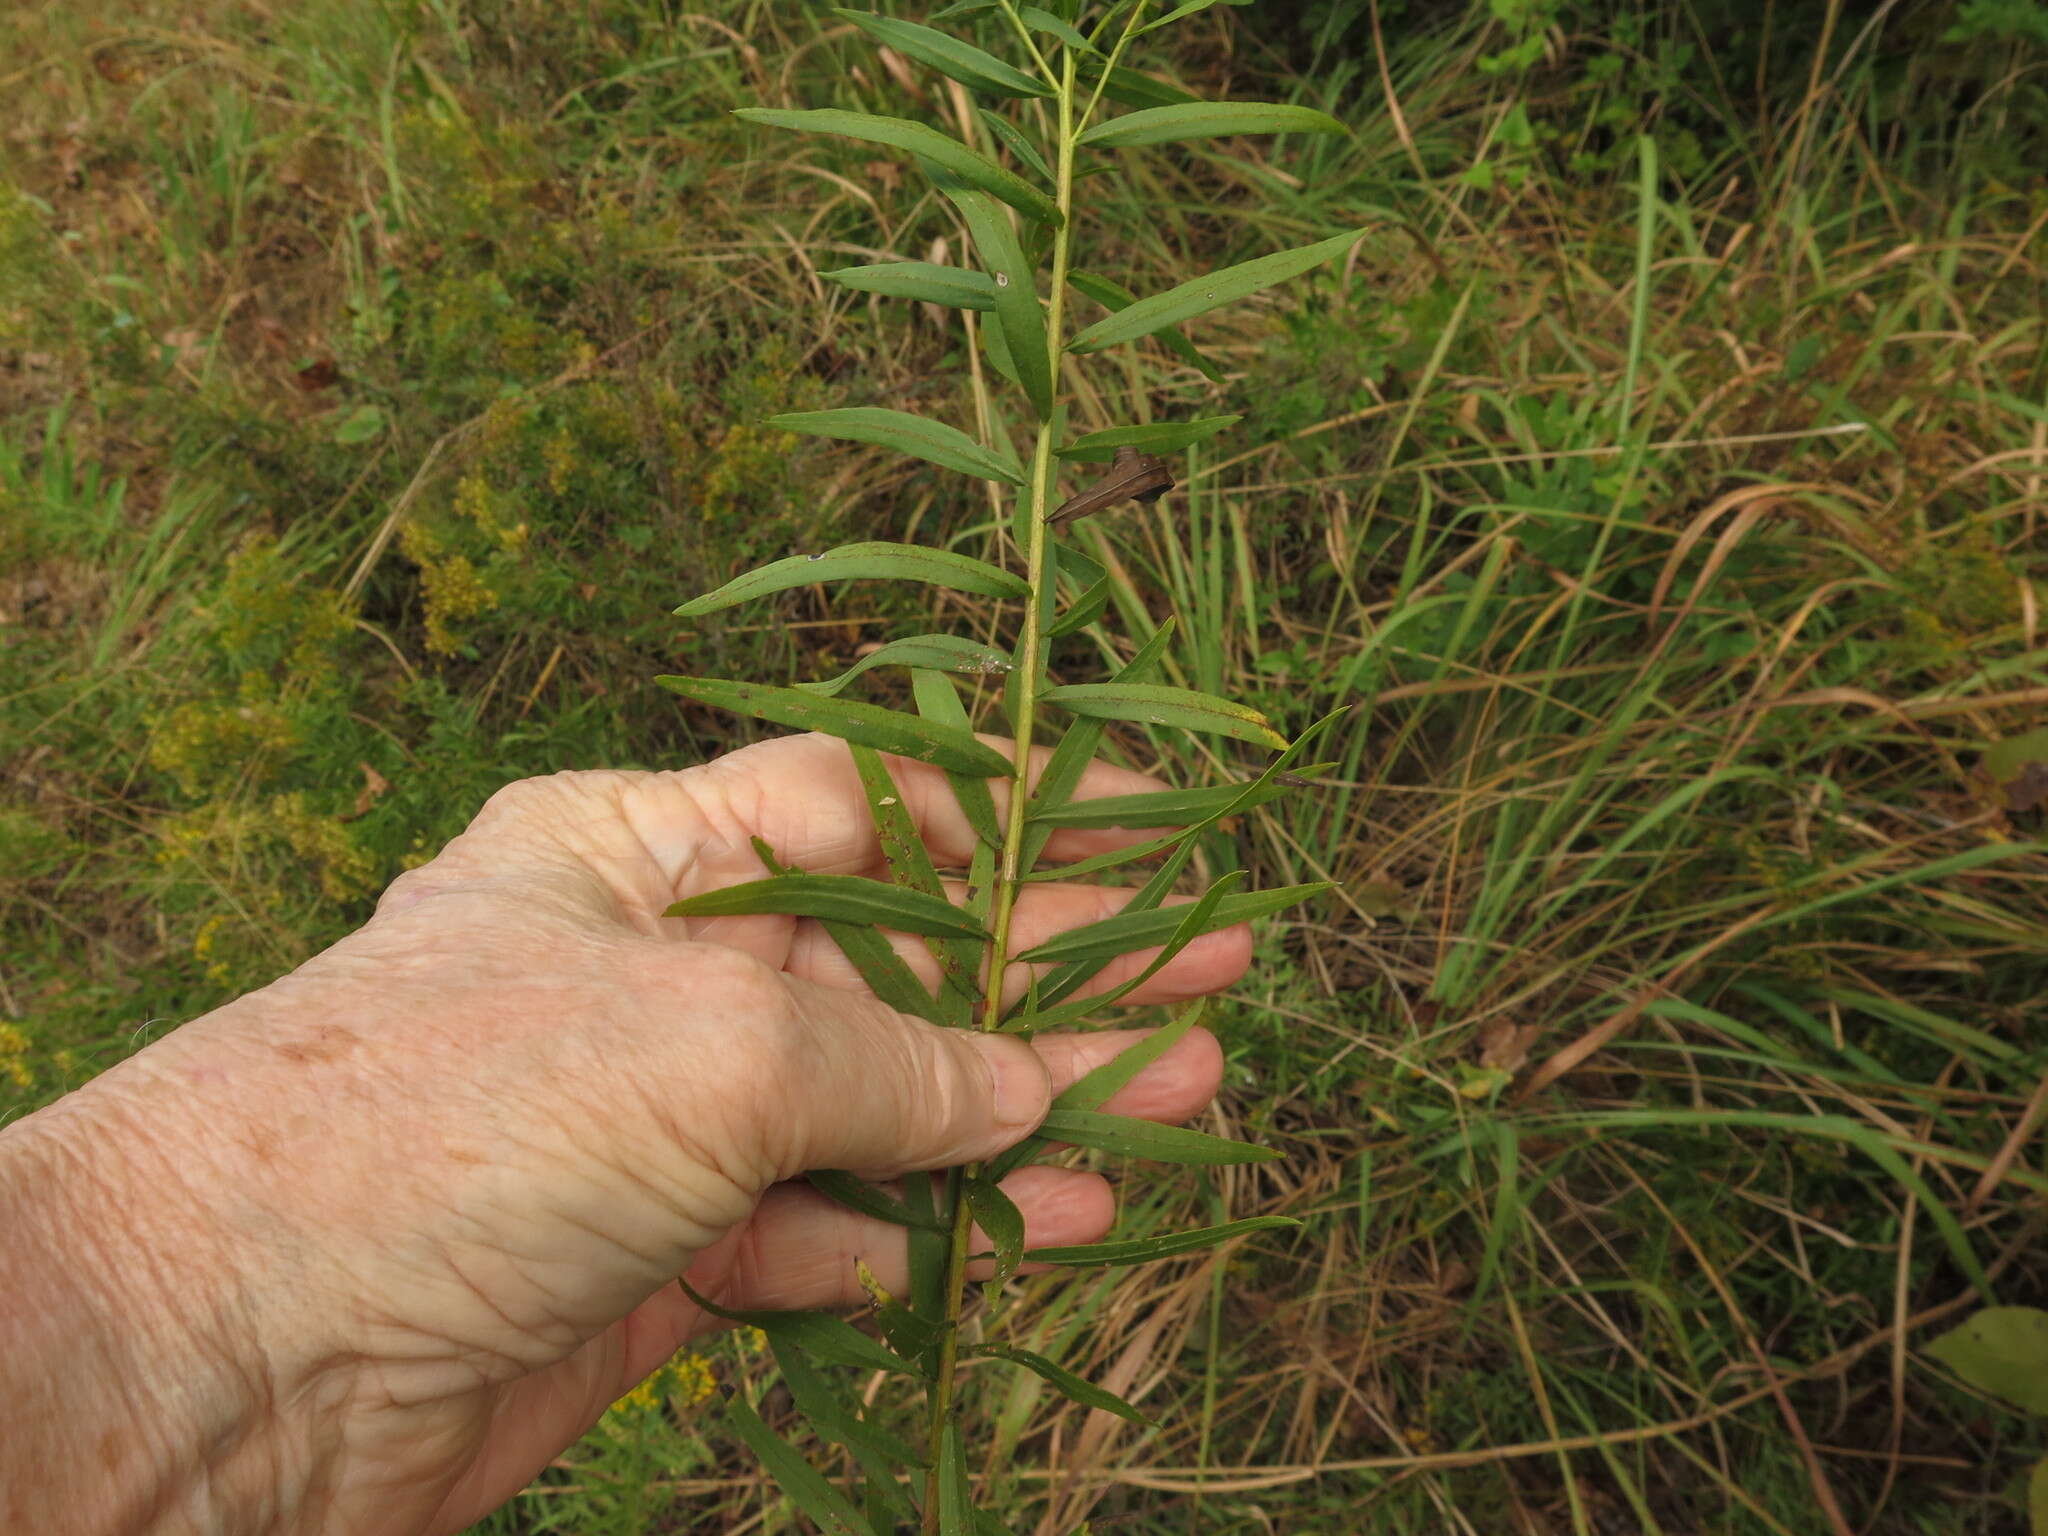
[(421, 1204)]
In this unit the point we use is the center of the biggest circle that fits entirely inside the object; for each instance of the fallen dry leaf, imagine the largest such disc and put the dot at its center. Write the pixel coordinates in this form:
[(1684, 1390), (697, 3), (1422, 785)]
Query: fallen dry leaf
[(1505, 1047)]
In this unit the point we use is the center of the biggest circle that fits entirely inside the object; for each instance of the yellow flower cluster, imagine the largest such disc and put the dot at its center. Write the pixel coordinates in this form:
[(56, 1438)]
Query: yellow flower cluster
[(450, 583), (14, 1044), (685, 1381)]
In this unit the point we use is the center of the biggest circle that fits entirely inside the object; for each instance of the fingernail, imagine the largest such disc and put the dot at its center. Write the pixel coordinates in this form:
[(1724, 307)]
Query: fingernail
[(1023, 1088)]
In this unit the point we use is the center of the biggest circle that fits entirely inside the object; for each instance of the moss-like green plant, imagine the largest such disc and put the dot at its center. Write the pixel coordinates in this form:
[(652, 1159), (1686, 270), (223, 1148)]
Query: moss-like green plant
[(1025, 287)]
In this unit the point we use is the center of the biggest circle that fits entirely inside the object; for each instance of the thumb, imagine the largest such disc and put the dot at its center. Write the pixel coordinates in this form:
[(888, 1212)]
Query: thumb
[(881, 1092)]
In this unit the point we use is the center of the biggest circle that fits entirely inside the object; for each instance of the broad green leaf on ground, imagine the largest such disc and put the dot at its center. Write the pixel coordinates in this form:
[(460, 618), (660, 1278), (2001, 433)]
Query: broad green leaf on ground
[(955, 287), (1014, 141), (1154, 704), (803, 1483), (1076, 1388), (1116, 298), (1141, 1250), (862, 562), (1128, 1137), (1206, 120), (841, 898), (2002, 1351), (951, 57), (868, 725), (928, 143), (1207, 293), (1129, 931), (1017, 308), (857, 1194), (999, 1217), (918, 436), (826, 1339), (1154, 437)]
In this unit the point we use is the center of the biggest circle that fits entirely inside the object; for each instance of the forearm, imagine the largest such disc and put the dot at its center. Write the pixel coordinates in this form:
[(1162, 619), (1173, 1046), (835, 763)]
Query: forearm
[(138, 1394)]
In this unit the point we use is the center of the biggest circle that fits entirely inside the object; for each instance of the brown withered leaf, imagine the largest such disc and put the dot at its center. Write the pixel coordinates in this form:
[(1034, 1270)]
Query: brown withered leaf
[(375, 787), (1505, 1047), (322, 373), (885, 173), (2028, 789)]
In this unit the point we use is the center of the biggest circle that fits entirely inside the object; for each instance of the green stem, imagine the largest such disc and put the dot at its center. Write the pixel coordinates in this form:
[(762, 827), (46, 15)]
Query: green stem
[(1030, 672)]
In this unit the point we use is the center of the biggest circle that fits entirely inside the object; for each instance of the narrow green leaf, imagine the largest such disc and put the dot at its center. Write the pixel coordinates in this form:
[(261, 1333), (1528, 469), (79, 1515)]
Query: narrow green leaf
[(928, 1249), (951, 57), (927, 143), (1128, 88), (1014, 141), (1097, 1088), (1127, 1137), (1206, 120), (918, 436), (1154, 437), (1140, 1250), (1001, 1220), (910, 864), (827, 1339), (862, 562), (1152, 704), (802, 1482), (869, 725), (1116, 298), (939, 702), (1128, 931), (1016, 289), (1093, 597), (1171, 16), (842, 1188), (832, 1416), (1076, 1388), (963, 8), (1163, 808), (928, 282), (909, 1334), (1039, 20), (956, 1507), (841, 898), (887, 973), (1207, 293), (936, 653)]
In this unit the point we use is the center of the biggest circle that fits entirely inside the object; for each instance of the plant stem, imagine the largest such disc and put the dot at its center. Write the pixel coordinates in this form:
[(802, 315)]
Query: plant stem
[(1030, 672)]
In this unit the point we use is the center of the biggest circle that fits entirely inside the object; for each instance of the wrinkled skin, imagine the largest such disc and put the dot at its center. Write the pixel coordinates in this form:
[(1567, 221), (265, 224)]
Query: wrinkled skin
[(365, 1250)]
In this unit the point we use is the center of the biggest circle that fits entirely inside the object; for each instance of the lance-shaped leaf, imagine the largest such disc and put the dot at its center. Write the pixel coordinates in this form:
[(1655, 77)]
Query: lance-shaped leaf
[(842, 1188), (936, 653), (863, 562), (908, 1332), (1154, 437), (867, 725), (1127, 931), (1071, 757), (1041, 20), (927, 143), (1000, 1219), (837, 1419), (1013, 141), (1162, 808), (910, 865), (1116, 298), (1154, 704), (1128, 1137), (963, 8), (951, 57), (939, 702), (1128, 88), (956, 1504), (1207, 120), (1094, 1089), (1207, 293), (841, 898), (926, 281), (887, 974), (921, 438), (1076, 1388), (1173, 15), (928, 1259), (827, 1339), (1141, 1250), (803, 1483), (1017, 309), (1093, 597)]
